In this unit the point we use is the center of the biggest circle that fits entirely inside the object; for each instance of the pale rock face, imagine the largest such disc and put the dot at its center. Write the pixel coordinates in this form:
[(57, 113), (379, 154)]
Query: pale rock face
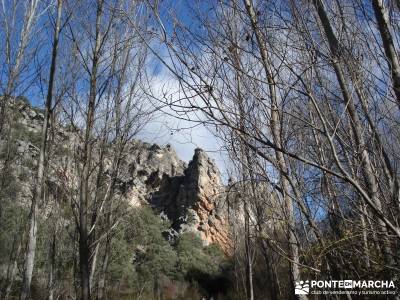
[(31, 118), (144, 169), (190, 196), (201, 194)]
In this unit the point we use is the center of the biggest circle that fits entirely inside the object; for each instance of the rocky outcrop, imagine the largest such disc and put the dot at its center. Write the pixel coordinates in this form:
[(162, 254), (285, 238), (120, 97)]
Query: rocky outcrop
[(201, 197), (145, 170), (190, 196)]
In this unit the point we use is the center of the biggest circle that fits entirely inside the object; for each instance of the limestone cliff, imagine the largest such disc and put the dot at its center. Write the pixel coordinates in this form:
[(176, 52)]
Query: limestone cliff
[(201, 195), (190, 196)]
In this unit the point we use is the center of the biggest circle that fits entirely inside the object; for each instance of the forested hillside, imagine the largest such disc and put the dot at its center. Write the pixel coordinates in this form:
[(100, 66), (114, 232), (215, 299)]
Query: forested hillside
[(300, 100), (148, 236)]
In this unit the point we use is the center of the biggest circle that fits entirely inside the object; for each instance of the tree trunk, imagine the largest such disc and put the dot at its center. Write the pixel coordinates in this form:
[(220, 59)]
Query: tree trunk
[(38, 192), (382, 18), (84, 262), (273, 278), (249, 256), (84, 193), (51, 267), (11, 270), (28, 23), (102, 281), (363, 210), (94, 264), (30, 252), (275, 130), (368, 172)]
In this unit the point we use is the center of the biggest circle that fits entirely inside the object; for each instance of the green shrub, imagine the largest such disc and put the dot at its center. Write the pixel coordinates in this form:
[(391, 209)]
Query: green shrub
[(145, 259), (194, 257)]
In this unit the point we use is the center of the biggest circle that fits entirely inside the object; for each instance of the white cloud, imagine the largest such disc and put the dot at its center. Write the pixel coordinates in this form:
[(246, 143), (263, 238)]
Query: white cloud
[(168, 127)]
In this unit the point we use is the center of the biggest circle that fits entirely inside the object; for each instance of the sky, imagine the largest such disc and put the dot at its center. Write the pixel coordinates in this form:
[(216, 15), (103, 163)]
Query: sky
[(184, 136), (164, 128)]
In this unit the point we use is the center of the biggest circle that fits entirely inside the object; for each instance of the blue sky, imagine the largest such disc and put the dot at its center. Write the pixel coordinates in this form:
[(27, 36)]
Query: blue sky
[(159, 130), (183, 135)]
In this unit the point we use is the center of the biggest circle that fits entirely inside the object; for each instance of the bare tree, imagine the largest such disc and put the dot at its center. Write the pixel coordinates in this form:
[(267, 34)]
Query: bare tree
[(15, 51), (311, 114), (384, 27), (39, 186)]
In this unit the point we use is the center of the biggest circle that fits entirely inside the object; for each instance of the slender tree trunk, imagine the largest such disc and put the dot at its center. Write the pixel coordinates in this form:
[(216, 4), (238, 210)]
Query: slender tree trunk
[(38, 192), (363, 210), (382, 18), (246, 173), (84, 193), (11, 280), (275, 130), (368, 172), (52, 255), (102, 281), (30, 252), (28, 23), (249, 256), (94, 265), (11, 270), (273, 278), (84, 260)]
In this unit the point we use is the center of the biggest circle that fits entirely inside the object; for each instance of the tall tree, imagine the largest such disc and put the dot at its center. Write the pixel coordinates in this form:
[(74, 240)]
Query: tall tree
[(40, 179)]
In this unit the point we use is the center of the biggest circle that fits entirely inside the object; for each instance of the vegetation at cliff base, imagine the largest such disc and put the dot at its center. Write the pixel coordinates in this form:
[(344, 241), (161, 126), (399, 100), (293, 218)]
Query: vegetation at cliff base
[(199, 150)]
